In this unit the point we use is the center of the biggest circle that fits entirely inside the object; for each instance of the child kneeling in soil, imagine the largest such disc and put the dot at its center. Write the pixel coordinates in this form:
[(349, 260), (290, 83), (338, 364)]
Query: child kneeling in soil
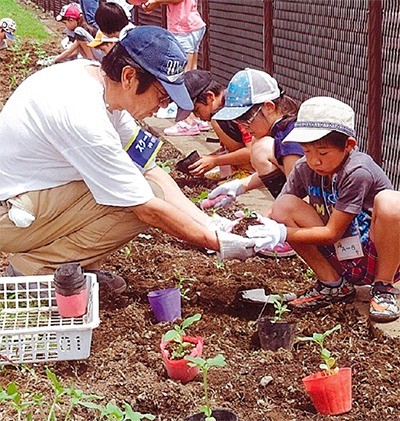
[(349, 231), (80, 32)]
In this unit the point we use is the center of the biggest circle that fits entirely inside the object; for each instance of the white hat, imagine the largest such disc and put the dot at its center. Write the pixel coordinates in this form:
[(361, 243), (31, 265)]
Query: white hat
[(9, 27), (319, 116), (247, 88)]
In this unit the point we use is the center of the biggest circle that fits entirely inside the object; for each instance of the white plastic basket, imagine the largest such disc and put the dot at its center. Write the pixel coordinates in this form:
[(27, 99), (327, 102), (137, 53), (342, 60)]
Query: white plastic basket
[(31, 329)]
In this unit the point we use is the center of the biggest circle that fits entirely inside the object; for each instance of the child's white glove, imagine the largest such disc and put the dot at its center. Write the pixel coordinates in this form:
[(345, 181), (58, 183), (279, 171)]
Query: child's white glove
[(219, 223), (267, 235), (229, 191), (234, 246)]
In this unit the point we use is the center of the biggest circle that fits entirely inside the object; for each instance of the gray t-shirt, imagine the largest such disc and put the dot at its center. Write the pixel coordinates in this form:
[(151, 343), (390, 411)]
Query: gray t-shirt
[(351, 190)]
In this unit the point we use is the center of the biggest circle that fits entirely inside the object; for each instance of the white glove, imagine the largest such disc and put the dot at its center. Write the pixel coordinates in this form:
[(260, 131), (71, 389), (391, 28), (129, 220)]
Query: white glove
[(219, 223), (47, 61), (234, 246), (229, 191), (267, 235)]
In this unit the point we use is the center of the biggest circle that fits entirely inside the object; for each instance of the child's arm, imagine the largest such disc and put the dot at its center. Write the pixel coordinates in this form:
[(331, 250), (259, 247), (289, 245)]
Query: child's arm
[(68, 52)]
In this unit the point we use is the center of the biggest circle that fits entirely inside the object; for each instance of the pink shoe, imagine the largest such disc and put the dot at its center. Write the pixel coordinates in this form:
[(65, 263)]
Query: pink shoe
[(203, 126), (280, 250), (182, 129)]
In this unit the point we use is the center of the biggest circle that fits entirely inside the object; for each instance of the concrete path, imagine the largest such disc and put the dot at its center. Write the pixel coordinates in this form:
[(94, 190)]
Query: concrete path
[(258, 200)]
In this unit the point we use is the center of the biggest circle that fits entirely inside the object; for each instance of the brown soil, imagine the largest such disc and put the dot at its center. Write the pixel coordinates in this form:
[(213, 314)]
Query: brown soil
[(125, 363)]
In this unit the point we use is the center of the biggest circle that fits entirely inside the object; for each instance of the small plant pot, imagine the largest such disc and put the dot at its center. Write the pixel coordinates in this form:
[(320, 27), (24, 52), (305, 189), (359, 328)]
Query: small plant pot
[(166, 304), (72, 305), (180, 369), (276, 335), (331, 395), (183, 164), (218, 414)]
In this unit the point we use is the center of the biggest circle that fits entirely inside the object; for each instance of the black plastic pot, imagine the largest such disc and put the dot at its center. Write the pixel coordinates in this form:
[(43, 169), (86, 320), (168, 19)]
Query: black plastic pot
[(218, 414), (276, 335), (183, 164)]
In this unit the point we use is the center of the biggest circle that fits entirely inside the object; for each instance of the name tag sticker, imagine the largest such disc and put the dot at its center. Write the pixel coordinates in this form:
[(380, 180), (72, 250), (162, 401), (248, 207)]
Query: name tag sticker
[(349, 248), (143, 147)]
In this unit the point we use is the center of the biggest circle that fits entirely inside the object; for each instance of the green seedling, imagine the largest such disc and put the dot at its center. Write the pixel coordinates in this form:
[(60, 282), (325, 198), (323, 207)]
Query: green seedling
[(280, 308), (166, 165), (219, 265), (180, 279), (77, 397), (113, 412), (249, 214), (328, 360), (176, 335), (19, 400), (198, 199), (205, 365)]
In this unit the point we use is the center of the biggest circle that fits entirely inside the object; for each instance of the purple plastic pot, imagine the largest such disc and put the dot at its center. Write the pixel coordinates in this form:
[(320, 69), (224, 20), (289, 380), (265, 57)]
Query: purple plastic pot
[(166, 304)]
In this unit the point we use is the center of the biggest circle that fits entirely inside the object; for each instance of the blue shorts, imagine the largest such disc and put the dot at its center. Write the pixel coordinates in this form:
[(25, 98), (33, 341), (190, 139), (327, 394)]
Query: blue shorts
[(191, 42)]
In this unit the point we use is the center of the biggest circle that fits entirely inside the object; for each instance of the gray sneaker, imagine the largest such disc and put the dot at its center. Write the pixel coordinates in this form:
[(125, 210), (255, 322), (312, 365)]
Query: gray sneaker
[(384, 307), (114, 282), (320, 295)]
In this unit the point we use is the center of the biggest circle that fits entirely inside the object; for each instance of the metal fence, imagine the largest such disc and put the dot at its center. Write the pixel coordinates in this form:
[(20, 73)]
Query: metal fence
[(349, 49)]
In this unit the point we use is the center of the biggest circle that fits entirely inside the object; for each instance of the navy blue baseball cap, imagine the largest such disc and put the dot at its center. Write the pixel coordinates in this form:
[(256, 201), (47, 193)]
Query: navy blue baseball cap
[(159, 52)]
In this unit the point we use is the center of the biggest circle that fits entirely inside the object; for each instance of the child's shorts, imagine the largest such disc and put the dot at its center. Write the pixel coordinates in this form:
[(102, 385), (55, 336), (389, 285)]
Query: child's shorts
[(357, 271), (191, 42)]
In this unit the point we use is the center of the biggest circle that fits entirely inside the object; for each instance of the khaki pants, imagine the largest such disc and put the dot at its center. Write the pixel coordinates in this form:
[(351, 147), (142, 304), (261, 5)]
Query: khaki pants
[(69, 227)]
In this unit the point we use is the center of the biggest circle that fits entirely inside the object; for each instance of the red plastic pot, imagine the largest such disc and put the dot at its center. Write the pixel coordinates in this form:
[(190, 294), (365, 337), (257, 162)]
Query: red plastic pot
[(331, 395), (180, 369)]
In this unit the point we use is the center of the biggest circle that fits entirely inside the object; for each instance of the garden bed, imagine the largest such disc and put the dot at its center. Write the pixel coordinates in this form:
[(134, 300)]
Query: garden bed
[(125, 364)]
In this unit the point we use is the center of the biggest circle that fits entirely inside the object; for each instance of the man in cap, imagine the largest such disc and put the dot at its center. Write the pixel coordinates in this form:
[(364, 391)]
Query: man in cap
[(7, 29), (69, 192)]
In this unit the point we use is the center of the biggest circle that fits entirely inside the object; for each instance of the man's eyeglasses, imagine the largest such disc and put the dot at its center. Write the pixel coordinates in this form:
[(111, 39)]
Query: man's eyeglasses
[(246, 121), (163, 98)]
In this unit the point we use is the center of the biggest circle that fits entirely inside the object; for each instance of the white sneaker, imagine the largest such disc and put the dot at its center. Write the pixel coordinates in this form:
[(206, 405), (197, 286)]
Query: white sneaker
[(169, 112)]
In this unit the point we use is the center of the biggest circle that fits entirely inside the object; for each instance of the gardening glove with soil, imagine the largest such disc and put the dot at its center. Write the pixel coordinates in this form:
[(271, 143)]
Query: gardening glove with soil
[(228, 192), (234, 246), (267, 234)]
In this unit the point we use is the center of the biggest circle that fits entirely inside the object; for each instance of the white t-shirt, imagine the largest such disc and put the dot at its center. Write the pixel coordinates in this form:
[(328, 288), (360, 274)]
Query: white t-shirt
[(55, 129)]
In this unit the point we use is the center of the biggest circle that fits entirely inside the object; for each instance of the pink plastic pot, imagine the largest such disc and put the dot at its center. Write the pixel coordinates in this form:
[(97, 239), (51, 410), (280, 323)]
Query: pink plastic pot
[(331, 395), (180, 369), (72, 305)]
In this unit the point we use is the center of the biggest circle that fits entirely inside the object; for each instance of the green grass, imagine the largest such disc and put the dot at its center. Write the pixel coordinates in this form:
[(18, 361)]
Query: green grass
[(28, 26)]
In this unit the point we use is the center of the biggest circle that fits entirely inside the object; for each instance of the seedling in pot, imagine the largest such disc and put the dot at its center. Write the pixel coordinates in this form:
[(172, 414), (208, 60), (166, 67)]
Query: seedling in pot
[(280, 308), (177, 334), (205, 365), (328, 360)]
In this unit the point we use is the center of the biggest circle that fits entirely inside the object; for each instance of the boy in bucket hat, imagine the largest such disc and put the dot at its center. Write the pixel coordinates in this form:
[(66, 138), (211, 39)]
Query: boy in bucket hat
[(349, 231), (7, 30), (86, 195)]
